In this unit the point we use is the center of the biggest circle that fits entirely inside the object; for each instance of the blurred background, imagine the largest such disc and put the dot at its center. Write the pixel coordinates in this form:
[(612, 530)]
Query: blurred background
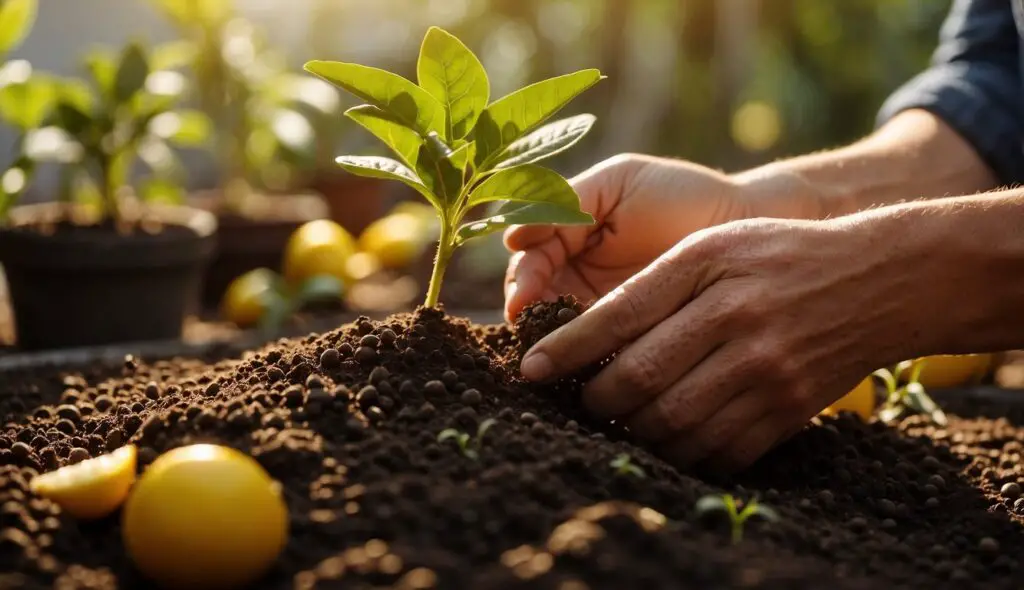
[(726, 83)]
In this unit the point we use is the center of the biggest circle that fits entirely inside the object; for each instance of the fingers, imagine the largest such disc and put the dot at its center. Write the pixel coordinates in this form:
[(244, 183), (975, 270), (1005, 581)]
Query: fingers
[(530, 274), (736, 422), (649, 366), (616, 319)]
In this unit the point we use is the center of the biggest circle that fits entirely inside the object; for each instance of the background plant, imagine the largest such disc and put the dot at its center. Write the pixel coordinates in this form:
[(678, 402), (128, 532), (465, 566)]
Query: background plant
[(737, 516), (909, 397), (458, 150), (468, 446), (265, 117), (623, 465)]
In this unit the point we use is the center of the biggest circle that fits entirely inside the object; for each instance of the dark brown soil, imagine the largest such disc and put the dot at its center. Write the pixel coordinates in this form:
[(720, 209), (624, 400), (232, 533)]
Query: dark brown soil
[(348, 420)]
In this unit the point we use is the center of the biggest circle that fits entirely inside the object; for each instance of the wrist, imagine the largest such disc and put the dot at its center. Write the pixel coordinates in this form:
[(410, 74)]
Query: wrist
[(775, 191)]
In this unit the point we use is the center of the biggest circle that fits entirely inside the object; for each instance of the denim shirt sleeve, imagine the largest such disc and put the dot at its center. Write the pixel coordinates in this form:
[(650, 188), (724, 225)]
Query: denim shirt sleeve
[(974, 84)]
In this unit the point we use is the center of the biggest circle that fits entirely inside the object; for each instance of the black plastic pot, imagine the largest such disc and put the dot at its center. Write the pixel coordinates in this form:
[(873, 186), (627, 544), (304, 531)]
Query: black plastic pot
[(89, 285)]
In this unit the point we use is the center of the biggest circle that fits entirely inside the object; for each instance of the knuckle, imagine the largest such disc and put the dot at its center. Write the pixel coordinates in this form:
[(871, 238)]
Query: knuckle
[(640, 370), (626, 316), (677, 412)]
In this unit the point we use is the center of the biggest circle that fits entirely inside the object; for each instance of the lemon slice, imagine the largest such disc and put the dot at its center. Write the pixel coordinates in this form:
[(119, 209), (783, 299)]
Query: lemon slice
[(93, 488)]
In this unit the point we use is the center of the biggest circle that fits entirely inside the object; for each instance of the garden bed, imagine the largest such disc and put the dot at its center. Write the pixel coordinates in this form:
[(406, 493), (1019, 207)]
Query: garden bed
[(347, 420)]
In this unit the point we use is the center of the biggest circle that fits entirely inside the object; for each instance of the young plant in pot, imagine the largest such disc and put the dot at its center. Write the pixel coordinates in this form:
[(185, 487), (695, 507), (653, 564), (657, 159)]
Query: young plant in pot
[(462, 152), (265, 121), (102, 264)]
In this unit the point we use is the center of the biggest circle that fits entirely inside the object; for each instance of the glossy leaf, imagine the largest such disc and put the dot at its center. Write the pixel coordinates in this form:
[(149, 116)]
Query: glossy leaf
[(711, 503), (529, 183), (406, 102), (132, 71), (517, 213), (545, 142), (102, 66), (404, 142), (452, 74), (26, 105), (16, 20), (71, 119), (388, 169), (438, 173), (515, 115)]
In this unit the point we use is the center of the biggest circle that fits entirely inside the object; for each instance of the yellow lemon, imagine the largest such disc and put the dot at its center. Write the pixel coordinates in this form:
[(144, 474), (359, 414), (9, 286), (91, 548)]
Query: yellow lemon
[(245, 300), (205, 516), (93, 488), (941, 371), (395, 240), (860, 399), (320, 247)]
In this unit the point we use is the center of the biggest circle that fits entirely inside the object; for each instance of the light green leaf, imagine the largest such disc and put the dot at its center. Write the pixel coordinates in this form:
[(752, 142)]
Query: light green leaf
[(515, 115), (437, 172), (16, 20), (173, 55), (452, 74), (529, 183), (204, 13), (403, 141), (75, 92), (102, 65), (162, 190), (711, 503), (517, 213), (187, 128), (545, 142), (765, 512), (406, 102), (132, 71), (26, 105), (388, 169)]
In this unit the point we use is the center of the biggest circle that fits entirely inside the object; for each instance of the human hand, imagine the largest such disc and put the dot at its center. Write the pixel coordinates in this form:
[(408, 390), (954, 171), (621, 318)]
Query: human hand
[(642, 206), (733, 339)]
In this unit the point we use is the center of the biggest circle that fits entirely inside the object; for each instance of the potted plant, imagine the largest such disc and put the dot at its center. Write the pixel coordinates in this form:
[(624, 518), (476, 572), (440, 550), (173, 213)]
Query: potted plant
[(103, 263), (265, 120)]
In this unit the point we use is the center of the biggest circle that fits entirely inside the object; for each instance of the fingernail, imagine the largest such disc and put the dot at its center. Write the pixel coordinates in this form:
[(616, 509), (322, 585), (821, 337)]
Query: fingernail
[(536, 366)]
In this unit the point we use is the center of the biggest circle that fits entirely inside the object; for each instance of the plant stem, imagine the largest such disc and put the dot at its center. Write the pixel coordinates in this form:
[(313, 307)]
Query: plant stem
[(737, 531), (444, 254)]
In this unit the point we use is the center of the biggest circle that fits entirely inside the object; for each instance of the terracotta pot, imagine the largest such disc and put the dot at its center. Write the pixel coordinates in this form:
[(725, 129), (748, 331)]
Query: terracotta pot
[(252, 238), (85, 285)]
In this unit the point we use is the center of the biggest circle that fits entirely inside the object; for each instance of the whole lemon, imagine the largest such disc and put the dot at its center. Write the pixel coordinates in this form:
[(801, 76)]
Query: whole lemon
[(395, 240), (940, 371), (861, 399), (245, 300), (205, 516), (320, 247)]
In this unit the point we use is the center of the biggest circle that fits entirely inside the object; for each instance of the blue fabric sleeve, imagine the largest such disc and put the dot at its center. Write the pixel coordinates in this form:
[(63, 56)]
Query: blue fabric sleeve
[(974, 84)]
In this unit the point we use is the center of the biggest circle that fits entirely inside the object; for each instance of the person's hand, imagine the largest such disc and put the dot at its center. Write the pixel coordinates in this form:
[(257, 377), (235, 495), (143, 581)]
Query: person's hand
[(642, 207), (733, 339)]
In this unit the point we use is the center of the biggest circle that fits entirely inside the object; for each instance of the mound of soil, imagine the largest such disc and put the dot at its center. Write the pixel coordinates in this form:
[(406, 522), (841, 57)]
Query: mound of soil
[(348, 422)]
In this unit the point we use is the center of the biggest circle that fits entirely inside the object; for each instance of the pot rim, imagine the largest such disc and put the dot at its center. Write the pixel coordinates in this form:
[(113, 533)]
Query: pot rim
[(202, 222)]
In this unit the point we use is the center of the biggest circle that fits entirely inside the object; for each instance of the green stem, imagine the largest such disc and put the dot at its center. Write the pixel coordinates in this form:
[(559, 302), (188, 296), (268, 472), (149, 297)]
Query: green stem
[(737, 531), (445, 248)]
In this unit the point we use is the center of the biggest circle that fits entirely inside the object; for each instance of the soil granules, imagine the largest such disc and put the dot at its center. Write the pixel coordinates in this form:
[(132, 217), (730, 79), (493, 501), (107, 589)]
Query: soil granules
[(347, 421)]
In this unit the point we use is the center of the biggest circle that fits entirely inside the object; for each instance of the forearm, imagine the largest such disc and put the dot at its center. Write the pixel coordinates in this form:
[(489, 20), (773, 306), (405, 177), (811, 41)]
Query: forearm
[(954, 270), (913, 156)]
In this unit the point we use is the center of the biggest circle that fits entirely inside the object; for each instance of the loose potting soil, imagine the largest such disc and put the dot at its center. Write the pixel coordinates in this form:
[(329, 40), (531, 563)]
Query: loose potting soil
[(348, 422)]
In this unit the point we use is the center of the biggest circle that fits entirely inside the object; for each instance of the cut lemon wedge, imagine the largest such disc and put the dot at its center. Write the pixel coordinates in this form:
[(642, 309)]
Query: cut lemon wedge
[(93, 488)]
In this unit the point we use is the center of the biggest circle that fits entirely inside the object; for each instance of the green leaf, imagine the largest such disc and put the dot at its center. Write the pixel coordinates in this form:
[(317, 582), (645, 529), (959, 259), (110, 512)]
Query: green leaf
[(204, 13), (516, 213), (16, 20), (173, 55), (13, 183), (388, 169), (452, 74), (162, 190), (404, 142), (448, 433), (102, 66), (763, 511), (545, 142), (319, 288), (132, 71), (711, 503), (26, 105), (75, 92), (484, 427), (515, 115), (187, 128), (529, 183), (406, 102), (71, 119), (437, 171)]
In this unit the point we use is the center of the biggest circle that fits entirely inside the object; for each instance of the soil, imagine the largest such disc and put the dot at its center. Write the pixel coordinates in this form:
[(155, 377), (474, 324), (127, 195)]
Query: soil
[(347, 420)]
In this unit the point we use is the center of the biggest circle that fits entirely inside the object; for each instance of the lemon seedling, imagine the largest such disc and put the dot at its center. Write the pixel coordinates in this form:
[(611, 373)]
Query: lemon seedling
[(467, 445), (737, 516), (623, 465), (910, 396), (460, 151)]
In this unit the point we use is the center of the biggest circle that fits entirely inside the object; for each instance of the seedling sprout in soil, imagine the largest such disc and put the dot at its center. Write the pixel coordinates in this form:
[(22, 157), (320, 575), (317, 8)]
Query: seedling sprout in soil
[(908, 397), (460, 152), (737, 517), (623, 465), (469, 447)]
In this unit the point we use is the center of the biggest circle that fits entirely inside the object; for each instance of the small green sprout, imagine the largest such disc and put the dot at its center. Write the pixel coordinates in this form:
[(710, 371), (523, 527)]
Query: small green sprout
[(458, 149), (468, 446), (623, 465), (737, 517), (910, 396)]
